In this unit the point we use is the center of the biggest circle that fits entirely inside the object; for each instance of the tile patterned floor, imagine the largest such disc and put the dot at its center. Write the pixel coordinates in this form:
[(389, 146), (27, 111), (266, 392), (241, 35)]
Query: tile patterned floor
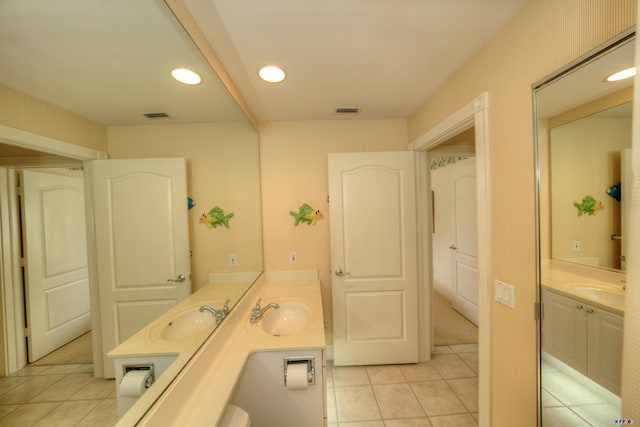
[(567, 402), (57, 395), (440, 393)]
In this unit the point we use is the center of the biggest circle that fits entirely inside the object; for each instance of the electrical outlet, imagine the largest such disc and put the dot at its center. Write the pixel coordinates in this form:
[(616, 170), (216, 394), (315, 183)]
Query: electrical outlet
[(233, 259), (576, 246), (293, 258)]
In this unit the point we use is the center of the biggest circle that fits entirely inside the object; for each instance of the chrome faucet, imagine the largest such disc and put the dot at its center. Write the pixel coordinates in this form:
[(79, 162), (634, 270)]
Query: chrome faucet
[(257, 312), (218, 314)]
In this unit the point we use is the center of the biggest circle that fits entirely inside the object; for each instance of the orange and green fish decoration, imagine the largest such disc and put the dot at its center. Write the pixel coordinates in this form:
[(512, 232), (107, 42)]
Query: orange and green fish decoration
[(306, 214)]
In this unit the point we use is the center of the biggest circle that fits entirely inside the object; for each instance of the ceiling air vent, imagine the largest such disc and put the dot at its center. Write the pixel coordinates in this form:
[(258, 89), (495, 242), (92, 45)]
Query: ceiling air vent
[(155, 115), (347, 110)]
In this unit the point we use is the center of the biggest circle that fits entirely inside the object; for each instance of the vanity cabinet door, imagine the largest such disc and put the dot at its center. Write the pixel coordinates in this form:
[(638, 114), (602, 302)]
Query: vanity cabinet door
[(565, 330), (605, 348)]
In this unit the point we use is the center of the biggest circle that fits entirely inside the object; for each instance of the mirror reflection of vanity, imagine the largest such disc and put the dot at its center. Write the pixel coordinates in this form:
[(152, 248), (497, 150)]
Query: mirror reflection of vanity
[(219, 142), (583, 152)]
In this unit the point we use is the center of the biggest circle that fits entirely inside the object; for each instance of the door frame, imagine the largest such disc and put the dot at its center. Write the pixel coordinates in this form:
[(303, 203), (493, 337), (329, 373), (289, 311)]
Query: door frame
[(473, 114), (11, 306)]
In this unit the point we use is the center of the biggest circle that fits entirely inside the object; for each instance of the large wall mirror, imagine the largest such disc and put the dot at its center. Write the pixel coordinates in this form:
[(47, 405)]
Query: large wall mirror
[(583, 147), (110, 62)]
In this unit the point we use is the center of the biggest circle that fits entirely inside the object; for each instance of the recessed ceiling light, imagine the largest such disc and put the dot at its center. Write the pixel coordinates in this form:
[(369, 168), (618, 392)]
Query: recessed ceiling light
[(272, 74), (185, 76), (621, 75)]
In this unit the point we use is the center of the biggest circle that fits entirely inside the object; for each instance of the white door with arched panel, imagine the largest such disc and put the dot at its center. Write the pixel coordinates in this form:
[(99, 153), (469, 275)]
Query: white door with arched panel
[(373, 258), (54, 260), (142, 259), (464, 269)]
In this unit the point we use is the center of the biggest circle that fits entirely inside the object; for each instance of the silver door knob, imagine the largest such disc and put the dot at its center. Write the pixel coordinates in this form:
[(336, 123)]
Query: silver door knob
[(181, 278), (340, 273)]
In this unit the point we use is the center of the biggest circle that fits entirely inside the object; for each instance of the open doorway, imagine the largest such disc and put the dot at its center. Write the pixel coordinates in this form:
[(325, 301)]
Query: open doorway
[(25, 151), (474, 115), (454, 240), (45, 202), (54, 270)]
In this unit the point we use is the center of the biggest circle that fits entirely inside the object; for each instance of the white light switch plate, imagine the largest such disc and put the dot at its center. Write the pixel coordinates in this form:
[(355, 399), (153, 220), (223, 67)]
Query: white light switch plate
[(505, 294)]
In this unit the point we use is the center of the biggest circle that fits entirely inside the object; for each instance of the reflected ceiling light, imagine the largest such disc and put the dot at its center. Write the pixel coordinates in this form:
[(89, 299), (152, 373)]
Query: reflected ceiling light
[(272, 74), (185, 76), (621, 75)]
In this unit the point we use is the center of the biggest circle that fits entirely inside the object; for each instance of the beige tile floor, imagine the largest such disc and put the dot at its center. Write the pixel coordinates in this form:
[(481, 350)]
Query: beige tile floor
[(57, 395), (569, 402), (440, 393)]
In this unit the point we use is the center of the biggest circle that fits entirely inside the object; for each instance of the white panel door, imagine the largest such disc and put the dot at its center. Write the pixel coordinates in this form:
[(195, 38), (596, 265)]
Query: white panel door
[(139, 208), (373, 258), (465, 245), (55, 254)]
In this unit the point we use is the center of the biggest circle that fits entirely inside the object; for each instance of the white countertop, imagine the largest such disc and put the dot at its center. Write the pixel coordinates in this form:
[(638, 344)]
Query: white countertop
[(564, 279), (200, 392), (147, 340)]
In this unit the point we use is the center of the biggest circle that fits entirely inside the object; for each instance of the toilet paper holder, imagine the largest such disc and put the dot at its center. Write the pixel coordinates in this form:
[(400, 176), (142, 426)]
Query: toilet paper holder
[(144, 367), (310, 361)]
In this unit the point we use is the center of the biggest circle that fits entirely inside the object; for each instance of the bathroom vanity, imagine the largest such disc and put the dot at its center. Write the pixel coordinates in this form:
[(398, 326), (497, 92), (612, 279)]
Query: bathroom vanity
[(582, 321), (272, 368)]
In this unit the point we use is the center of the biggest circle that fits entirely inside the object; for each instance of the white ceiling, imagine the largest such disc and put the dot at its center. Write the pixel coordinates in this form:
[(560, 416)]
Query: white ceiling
[(383, 56), (109, 60)]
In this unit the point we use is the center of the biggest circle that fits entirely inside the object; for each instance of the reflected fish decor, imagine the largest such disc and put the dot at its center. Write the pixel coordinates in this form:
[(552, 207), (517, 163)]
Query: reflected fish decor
[(306, 214), (216, 217), (589, 206), (614, 191)]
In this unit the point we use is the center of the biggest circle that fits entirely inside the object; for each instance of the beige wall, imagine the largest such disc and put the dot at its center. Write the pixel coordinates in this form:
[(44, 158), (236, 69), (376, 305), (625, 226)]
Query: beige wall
[(586, 157), (595, 106), (293, 157), (21, 111), (222, 169), (545, 35)]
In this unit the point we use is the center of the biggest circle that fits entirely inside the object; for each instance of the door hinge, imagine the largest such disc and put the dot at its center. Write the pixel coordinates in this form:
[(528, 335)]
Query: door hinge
[(23, 262), (328, 198), (538, 311)]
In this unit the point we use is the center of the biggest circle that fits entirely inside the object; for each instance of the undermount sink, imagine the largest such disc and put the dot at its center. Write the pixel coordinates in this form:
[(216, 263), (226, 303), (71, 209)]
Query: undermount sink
[(187, 324), (288, 319), (603, 295)]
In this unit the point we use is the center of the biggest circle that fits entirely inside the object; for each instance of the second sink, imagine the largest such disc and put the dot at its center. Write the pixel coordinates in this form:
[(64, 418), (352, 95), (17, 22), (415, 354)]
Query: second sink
[(185, 325), (606, 296), (289, 319)]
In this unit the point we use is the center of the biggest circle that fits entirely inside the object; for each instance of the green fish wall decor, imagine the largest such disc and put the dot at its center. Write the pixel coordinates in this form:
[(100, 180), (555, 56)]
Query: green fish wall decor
[(216, 217), (589, 206), (306, 214)]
